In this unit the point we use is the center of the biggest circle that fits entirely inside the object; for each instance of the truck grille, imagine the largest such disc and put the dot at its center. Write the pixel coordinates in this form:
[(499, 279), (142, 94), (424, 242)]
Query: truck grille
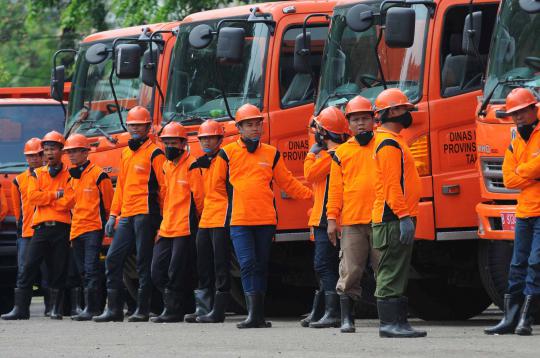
[(493, 176)]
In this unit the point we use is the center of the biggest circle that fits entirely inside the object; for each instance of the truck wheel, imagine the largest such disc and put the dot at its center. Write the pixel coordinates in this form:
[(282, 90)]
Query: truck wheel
[(131, 281), (6, 300), (493, 263)]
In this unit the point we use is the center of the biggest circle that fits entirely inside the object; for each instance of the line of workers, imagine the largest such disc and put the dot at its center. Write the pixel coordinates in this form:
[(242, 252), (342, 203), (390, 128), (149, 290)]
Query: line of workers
[(365, 187)]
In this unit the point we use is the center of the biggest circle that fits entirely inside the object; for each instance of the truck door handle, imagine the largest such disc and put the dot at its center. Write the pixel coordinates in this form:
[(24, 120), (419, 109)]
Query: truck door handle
[(451, 189)]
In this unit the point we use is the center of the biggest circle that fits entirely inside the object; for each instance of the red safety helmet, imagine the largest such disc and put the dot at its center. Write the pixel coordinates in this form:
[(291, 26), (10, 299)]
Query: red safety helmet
[(33, 146), (210, 128), (390, 98), (75, 141), (54, 137), (332, 120), (247, 111), (138, 115), (357, 105), (519, 98), (173, 130)]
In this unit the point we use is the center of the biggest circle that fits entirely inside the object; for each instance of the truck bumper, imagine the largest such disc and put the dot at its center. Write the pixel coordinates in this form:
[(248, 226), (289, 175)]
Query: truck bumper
[(489, 221)]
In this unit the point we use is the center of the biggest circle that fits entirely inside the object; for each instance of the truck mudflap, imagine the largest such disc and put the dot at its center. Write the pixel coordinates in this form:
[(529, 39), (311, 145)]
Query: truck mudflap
[(496, 221)]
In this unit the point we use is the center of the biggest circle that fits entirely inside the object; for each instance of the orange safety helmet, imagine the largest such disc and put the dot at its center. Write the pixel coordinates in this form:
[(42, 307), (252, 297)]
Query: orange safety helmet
[(390, 98), (332, 120), (247, 111), (53, 136), (358, 104), (173, 130), (138, 115), (76, 141), (519, 98), (33, 146), (210, 128)]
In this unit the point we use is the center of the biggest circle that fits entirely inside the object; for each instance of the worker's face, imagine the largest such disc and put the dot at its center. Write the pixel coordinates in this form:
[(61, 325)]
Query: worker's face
[(34, 160), (251, 129), (179, 143), (52, 153), (527, 115), (210, 144), (77, 156), (138, 131), (361, 122)]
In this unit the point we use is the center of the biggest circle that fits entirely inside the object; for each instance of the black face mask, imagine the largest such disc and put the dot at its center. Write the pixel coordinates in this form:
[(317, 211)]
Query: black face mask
[(363, 138), (251, 145), (54, 171), (526, 130), (405, 119), (319, 139), (172, 153), (135, 144)]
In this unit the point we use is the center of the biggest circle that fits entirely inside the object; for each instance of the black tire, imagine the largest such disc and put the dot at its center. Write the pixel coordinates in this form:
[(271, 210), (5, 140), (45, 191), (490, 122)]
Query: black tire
[(494, 258), (6, 300), (131, 281)]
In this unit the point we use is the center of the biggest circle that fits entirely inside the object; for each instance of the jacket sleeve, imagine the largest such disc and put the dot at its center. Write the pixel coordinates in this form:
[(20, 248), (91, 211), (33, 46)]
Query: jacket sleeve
[(3, 204), (106, 190), (316, 169), (286, 181), (157, 165), (218, 181), (37, 197), (67, 202), (335, 191), (196, 185), (529, 170), (116, 205), (510, 178), (389, 159), (16, 200)]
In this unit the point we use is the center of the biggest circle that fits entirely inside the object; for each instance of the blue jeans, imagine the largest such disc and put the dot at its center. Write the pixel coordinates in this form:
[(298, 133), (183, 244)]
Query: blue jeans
[(86, 248), (252, 247), (524, 275), (325, 259)]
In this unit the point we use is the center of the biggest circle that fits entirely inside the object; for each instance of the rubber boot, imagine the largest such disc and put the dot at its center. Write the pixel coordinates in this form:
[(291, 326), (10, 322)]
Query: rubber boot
[(171, 310), (75, 296), (21, 307), (91, 299), (317, 310), (347, 316), (255, 307), (331, 317), (393, 320), (530, 307), (142, 313), (403, 320), (203, 305), (46, 303), (114, 312), (57, 303), (217, 315), (509, 322)]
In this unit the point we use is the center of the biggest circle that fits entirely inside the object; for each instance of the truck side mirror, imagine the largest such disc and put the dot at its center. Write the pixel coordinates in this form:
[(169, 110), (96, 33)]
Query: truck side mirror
[(530, 6), (57, 83), (359, 18), (96, 53), (472, 32), (200, 36), (302, 48), (149, 67), (127, 59), (400, 23), (230, 45)]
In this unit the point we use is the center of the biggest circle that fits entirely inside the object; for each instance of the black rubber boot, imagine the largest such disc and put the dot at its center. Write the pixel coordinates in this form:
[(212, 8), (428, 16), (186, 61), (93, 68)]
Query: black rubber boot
[(509, 322), (393, 320), (331, 317), (91, 299), (403, 320), (217, 315), (57, 303), (203, 305), (75, 296), (317, 310), (46, 303), (142, 313), (171, 310), (347, 316), (255, 307), (114, 312), (21, 307), (530, 307)]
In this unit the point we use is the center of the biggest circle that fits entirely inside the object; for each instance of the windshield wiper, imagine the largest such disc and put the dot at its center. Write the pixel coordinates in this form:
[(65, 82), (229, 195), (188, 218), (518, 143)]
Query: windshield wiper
[(192, 120), (506, 81), (13, 165), (334, 95)]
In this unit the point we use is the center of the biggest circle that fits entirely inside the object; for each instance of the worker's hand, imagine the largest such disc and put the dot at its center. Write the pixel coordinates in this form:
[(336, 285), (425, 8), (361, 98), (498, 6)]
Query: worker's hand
[(406, 230), (315, 148), (109, 226), (332, 231), (59, 193)]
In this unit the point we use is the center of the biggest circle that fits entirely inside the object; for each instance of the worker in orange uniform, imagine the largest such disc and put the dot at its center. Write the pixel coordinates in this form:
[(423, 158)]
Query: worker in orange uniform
[(250, 167), (51, 224), (397, 193), (521, 171), (213, 239), (331, 129), (137, 201), (89, 194), (174, 252), (351, 193)]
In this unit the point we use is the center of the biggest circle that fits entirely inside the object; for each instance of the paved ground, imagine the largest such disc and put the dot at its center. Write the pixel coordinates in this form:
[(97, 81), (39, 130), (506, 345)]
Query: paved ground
[(42, 337)]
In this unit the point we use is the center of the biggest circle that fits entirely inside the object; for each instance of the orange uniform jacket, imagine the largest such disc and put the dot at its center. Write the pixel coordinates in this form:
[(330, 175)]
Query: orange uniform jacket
[(139, 189), (397, 183), (216, 211), (521, 170), (21, 207), (90, 199), (42, 194), (3, 204), (317, 172), (184, 197), (251, 176), (351, 191)]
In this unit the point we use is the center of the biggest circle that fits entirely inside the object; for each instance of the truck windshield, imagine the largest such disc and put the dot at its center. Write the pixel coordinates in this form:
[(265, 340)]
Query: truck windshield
[(18, 123), (515, 51), (196, 81), (350, 64), (91, 102)]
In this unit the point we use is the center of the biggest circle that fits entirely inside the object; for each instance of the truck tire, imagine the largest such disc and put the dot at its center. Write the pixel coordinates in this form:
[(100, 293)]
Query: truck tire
[(6, 299), (131, 281), (493, 263)]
